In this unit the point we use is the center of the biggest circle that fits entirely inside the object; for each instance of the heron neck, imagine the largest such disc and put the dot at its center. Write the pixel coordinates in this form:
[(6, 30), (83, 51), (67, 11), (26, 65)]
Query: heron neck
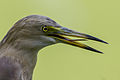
[(22, 53)]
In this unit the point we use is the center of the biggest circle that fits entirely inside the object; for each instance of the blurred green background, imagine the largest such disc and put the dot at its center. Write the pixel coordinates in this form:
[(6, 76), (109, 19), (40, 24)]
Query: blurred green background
[(100, 18)]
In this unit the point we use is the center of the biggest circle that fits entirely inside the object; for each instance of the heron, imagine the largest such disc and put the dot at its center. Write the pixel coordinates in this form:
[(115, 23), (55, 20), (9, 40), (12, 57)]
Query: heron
[(20, 46)]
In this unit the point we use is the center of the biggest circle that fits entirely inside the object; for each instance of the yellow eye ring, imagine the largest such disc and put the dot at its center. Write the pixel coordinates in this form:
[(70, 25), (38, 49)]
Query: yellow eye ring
[(44, 28)]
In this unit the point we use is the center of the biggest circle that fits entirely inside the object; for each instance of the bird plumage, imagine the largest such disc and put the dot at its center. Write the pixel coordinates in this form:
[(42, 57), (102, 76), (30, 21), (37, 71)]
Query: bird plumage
[(8, 69), (19, 48)]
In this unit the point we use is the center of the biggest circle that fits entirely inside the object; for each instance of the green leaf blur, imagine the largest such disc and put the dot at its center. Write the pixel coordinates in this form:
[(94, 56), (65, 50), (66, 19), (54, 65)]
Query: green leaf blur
[(100, 18)]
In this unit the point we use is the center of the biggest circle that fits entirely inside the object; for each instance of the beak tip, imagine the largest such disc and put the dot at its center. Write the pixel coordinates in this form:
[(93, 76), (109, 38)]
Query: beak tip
[(106, 43), (101, 52), (96, 39), (91, 49)]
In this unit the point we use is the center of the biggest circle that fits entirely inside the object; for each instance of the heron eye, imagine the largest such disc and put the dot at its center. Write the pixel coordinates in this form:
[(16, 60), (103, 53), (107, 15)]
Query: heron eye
[(44, 28)]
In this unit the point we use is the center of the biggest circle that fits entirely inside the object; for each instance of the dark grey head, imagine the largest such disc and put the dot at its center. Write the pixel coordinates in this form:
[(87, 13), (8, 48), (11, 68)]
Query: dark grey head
[(37, 31)]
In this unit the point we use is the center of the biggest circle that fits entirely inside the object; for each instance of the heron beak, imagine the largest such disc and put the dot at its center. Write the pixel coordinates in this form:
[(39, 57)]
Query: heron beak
[(64, 34)]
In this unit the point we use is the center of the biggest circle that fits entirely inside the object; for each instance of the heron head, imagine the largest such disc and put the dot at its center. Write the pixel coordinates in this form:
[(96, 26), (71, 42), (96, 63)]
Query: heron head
[(41, 31)]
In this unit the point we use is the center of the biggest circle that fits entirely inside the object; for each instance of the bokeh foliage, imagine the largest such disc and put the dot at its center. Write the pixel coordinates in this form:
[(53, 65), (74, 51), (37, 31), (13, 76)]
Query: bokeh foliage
[(100, 18)]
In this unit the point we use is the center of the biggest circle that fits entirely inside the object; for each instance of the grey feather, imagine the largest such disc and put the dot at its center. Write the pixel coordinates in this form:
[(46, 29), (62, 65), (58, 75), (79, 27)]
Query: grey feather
[(8, 69)]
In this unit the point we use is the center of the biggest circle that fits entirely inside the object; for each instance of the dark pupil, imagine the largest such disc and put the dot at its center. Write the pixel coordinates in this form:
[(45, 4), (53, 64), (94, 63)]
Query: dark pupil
[(45, 28)]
